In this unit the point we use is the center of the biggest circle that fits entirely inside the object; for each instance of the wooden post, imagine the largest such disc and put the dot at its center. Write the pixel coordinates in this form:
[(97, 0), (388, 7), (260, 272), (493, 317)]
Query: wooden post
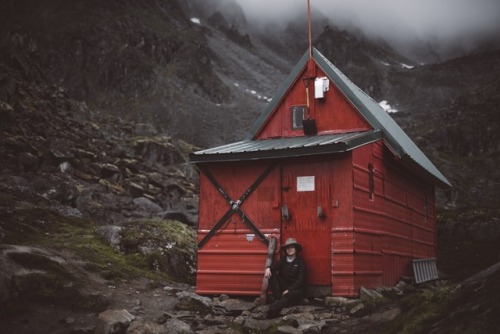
[(269, 261)]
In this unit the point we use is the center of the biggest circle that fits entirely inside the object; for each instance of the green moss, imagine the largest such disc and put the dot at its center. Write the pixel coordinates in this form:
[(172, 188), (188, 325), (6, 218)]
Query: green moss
[(162, 231), (110, 264), (165, 245), (417, 309), (27, 224)]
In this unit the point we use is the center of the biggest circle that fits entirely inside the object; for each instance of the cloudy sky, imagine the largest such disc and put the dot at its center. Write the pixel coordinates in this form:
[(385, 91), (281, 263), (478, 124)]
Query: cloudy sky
[(425, 19)]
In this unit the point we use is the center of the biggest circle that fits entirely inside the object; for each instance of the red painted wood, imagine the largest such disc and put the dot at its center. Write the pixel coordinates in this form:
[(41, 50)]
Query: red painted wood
[(396, 226), (333, 114), (310, 230), (228, 263), (367, 238)]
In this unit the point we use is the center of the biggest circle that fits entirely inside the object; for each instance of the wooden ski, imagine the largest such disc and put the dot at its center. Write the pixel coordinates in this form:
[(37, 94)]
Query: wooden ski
[(269, 261)]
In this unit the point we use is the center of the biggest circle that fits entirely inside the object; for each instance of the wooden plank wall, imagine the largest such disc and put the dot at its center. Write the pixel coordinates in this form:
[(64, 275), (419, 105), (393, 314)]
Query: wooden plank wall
[(395, 225), (228, 263)]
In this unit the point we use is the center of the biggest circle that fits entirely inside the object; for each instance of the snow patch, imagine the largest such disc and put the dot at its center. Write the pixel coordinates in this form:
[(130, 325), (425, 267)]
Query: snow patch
[(384, 63), (407, 66), (254, 93), (387, 107), (195, 20)]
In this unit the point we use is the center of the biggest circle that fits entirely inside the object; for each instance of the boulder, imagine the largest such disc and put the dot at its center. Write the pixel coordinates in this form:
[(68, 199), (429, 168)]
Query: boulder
[(169, 245), (357, 308), (110, 234), (236, 306), (368, 294), (176, 326), (192, 302), (141, 326), (113, 322), (146, 204)]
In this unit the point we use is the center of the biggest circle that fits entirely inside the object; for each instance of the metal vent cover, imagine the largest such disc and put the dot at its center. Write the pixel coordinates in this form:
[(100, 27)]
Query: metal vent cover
[(425, 270)]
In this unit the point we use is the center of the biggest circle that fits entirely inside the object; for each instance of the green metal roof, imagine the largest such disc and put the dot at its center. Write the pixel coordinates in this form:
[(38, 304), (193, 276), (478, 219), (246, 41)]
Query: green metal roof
[(397, 140), (286, 147)]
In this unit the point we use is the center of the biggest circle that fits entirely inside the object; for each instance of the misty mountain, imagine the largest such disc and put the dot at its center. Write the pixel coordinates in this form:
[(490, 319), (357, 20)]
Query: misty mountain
[(201, 72), (101, 102)]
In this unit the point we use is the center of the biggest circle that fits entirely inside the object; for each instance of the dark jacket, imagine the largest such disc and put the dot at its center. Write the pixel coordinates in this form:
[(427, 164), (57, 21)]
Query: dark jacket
[(292, 275)]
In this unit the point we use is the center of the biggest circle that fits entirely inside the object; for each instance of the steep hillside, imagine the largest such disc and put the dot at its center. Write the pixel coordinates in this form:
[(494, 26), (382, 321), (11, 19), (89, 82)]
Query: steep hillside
[(141, 60), (198, 71), (452, 110)]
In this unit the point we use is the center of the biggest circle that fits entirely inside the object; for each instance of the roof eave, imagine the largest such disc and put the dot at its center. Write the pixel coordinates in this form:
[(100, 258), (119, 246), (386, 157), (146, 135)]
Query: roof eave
[(439, 180), (333, 148)]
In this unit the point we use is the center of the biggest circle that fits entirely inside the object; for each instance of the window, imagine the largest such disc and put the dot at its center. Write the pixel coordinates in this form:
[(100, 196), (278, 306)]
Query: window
[(426, 209), (371, 184), (298, 113)]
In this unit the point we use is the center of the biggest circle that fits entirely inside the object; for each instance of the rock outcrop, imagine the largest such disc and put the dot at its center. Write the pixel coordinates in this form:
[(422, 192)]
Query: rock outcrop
[(52, 148)]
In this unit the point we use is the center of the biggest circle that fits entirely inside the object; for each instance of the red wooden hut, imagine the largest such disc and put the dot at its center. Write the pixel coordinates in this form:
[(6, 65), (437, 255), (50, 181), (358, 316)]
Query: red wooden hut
[(324, 163)]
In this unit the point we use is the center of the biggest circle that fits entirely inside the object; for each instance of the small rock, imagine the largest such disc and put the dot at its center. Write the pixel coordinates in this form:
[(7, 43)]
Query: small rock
[(168, 289), (223, 297), (390, 314), (147, 204), (357, 308), (288, 330), (367, 294), (176, 326), (257, 326), (113, 321), (111, 234), (236, 306), (146, 327), (190, 301), (401, 286)]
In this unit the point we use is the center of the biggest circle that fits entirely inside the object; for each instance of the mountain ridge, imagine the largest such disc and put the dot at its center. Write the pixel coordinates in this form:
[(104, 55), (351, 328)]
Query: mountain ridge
[(101, 102)]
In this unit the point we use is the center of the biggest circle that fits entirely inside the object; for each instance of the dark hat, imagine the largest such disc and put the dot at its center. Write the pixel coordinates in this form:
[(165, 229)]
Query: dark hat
[(292, 242)]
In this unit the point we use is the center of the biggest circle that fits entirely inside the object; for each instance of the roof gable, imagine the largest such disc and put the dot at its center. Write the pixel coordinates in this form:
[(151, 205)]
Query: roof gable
[(397, 140)]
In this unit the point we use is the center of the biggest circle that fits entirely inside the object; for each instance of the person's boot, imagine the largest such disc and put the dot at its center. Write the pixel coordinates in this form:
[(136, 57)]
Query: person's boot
[(272, 313)]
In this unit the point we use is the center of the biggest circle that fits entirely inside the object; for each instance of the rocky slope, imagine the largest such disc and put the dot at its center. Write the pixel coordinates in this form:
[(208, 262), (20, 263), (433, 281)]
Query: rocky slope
[(100, 103), (90, 165), (200, 72)]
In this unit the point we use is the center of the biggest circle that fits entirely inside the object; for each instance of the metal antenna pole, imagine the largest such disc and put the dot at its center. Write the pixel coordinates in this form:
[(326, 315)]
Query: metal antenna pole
[(309, 27)]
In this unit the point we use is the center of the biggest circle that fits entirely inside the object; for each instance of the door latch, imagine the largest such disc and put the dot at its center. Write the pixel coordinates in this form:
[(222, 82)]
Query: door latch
[(284, 213), (321, 213)]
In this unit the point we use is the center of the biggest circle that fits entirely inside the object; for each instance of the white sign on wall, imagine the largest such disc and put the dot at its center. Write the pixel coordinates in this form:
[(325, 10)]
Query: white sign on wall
[(305, 183)]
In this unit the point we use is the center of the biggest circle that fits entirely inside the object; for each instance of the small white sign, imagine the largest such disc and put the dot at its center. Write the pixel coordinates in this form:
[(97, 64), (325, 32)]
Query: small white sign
[(305, 183)]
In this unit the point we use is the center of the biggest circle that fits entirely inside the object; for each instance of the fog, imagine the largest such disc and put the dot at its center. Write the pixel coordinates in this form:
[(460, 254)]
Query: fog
[(437, 21)]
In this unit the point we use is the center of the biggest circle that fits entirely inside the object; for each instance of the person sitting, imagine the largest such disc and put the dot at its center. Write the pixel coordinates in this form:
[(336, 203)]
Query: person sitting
[(287, 278)]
